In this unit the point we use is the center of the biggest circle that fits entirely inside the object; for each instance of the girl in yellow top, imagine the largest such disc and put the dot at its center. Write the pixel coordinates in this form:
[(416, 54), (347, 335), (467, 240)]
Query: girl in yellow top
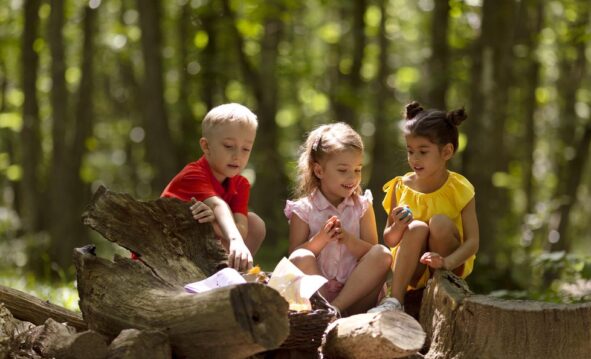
[(432, 220)]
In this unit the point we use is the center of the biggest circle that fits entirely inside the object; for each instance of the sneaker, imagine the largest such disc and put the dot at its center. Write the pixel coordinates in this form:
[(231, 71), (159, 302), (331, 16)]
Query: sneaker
[(386, 304)]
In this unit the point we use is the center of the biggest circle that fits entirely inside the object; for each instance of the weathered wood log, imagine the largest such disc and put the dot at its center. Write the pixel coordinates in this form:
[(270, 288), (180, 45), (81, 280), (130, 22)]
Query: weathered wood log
[(56, 340), (235, 321), (171, 243), (392, 334), (460, 324), (29, 308), (138, 344)]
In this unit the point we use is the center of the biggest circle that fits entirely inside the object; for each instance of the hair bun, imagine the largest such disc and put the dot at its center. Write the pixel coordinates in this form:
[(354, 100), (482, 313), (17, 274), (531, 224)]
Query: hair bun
[(456, 117), (413, 109)]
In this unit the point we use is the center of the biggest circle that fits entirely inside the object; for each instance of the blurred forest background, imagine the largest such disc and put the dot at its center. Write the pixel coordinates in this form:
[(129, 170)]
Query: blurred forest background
[(113, 92)]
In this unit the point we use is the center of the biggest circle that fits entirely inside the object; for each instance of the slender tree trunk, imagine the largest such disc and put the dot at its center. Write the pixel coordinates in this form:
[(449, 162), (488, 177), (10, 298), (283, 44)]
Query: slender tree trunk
[(385, 144), (189, 141), (438, 63), (271, 181), (30, 211), (569, 168), (345, 94), (486, 125), (83, 127), (210, 67), (61, 200), (159, 148)]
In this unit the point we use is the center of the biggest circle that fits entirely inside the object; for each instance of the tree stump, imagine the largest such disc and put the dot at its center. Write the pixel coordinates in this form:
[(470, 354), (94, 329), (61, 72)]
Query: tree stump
[(230, 322), (460, 324)]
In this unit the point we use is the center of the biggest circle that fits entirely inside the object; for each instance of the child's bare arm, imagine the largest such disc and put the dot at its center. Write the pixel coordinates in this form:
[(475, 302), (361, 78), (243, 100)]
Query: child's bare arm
[(467, 248), (470, 245), (368, 235), (299, 232), (239, 257), (398, 221)]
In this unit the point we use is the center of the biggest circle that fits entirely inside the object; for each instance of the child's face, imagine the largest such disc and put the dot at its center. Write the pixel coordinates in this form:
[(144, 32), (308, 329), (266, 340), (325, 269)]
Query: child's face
[(425, 157), (339, 174), (227, 149)]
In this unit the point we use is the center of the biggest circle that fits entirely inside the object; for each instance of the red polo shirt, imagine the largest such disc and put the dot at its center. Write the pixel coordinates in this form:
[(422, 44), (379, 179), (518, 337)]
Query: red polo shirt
[(197, 180)]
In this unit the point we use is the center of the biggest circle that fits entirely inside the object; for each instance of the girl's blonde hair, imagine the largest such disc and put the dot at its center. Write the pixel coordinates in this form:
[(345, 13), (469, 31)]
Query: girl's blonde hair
[(321, 143)]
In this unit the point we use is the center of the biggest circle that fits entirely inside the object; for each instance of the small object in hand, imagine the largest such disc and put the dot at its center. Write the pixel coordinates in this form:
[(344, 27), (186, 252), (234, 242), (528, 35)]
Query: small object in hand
[(407, 212)]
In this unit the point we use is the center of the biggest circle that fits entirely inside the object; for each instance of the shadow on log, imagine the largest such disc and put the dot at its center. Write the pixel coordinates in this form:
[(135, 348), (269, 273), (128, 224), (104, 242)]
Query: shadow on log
[(230, 322), (460, 324)]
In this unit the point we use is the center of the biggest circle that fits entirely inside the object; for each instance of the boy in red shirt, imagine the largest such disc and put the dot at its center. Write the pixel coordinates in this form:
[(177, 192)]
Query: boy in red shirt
[(214, 184)]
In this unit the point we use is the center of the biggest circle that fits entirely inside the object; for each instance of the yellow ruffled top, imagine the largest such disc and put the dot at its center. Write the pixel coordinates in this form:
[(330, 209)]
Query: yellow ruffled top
[(449, 200)]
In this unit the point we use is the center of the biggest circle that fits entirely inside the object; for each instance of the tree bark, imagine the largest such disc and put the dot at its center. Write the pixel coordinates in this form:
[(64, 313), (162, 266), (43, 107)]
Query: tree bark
[(392, 334), (235, 321), (460, 324)]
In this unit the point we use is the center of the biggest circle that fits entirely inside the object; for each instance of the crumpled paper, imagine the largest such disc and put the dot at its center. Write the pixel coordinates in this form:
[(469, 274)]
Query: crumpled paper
[(295, 286)]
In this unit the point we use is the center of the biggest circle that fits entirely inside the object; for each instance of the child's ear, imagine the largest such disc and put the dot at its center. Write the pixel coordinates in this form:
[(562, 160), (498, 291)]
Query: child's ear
[(317, 170), (447, 151), (204, 145)]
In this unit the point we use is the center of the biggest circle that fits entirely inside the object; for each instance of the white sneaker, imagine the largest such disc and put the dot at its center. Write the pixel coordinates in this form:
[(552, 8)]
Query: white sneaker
[(386, 304)]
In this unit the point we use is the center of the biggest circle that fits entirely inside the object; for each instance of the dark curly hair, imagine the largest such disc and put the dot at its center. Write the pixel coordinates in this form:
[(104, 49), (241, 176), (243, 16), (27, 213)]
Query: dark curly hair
[(438, 126)]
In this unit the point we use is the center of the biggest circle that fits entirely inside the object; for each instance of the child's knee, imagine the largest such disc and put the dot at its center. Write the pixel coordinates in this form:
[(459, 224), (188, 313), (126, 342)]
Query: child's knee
[(441, 225), (380, 255), (301, 256), (256, 226)]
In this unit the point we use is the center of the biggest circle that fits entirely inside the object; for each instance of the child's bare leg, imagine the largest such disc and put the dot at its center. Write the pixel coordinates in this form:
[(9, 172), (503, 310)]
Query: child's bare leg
[(406, 264), (306, 261), (365, 282), (444, 237), (256, 233)]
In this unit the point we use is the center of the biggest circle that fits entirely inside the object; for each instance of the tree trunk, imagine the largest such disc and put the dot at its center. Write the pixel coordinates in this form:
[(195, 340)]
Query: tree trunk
[(235, 321), (486, 125), (345, 99), (460, 324), (159, 147), (392, 334), (30, 133), (438, 62), (573, 70), (60, 201), (270, 181), (385, 143)]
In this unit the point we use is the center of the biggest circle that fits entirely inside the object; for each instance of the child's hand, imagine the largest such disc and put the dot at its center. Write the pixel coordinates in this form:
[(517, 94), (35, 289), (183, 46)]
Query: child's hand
[(239, 256), (433, 260), (201, 212), (401, 216), (331, 229)]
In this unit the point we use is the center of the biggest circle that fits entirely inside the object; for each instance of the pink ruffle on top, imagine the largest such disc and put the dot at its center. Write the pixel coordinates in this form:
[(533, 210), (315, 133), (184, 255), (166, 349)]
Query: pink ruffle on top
[(335, 260)]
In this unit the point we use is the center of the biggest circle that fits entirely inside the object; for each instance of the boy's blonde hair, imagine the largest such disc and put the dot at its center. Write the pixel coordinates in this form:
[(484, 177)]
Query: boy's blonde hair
[(233, 113), (321, 143)]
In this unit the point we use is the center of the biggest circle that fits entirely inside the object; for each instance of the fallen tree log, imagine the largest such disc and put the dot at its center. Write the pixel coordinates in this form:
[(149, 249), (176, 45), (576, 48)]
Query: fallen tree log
[(230, 322), (29, 308), (460, 324), (392, 334), (138, 344)]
